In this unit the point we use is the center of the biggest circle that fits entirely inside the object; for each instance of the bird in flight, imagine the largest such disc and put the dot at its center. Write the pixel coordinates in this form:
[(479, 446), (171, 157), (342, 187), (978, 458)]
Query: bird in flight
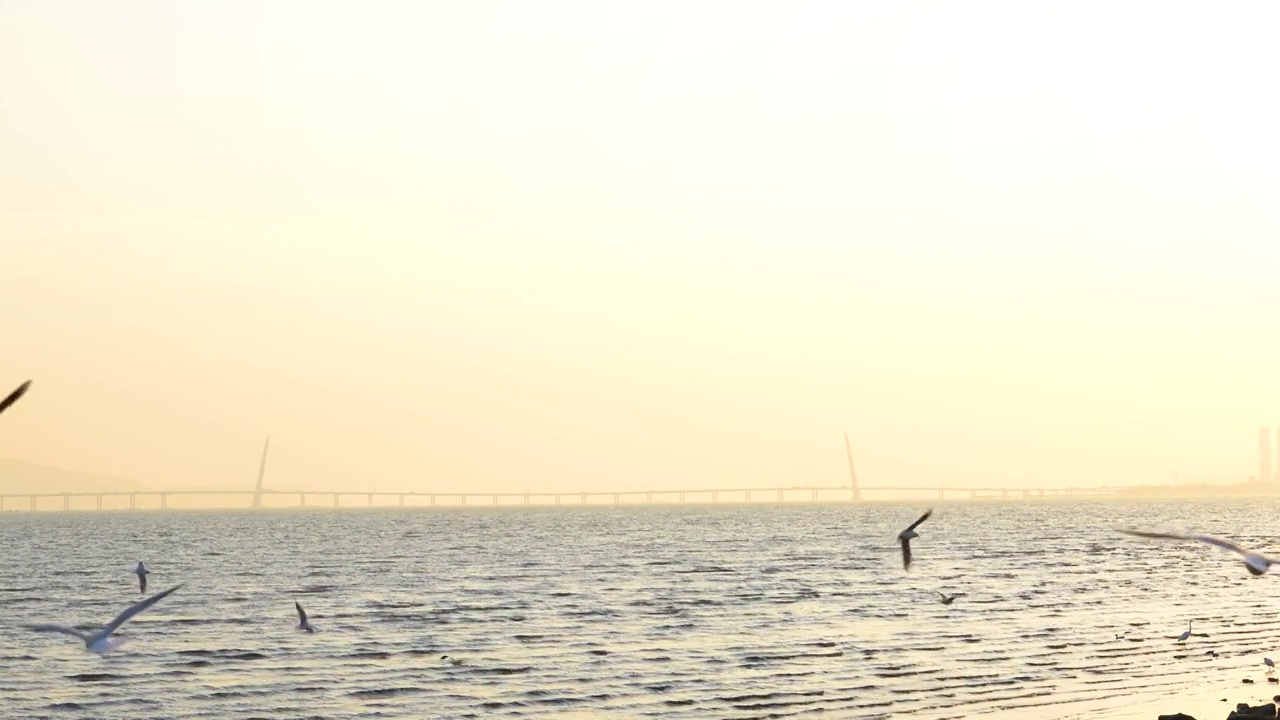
[(948, 599), (1256, 562), (13, 396), (142, 572), (302, 618), (905, 536), (101, 641)]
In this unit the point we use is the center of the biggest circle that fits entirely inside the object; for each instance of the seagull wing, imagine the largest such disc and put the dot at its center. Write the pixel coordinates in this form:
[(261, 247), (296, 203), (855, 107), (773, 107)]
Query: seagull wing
[(134, 609), (1219, 542), (906, 554), (302, 614), (57, 629), (13, 396), (922, 519)]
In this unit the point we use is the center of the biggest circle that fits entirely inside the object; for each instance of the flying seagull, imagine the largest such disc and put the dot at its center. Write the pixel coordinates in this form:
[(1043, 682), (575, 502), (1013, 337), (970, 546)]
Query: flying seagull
[(142, 572), (905, 536), (13, 396), (1256, 562), (101, 642), (948, 599), (302, 618)]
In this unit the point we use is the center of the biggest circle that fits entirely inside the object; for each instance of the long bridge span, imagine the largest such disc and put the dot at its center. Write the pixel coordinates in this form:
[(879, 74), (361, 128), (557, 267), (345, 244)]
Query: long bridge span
[(267, 498), (261, 496)]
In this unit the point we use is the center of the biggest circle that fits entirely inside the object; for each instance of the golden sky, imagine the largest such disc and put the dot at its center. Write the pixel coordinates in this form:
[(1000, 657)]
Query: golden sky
[(498, 246)]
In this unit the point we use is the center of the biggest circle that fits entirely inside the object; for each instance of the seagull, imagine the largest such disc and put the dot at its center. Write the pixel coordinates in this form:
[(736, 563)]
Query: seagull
[(13, 396), (450, 660), (1186, 634), (142, 572), (905, 536), (947, 599), (1256, 562), (302, 618), (101, 642)]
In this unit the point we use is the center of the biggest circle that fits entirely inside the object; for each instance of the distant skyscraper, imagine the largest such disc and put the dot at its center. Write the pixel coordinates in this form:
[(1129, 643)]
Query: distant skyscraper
[(1264, 455)]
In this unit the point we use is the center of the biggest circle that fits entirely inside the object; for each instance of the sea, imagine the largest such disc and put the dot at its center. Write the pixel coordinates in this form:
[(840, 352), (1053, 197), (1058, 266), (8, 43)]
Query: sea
[(710, 611)]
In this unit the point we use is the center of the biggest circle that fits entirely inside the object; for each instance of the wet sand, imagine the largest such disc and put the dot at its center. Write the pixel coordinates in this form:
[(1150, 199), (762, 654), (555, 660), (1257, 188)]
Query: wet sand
[(1213, 703)]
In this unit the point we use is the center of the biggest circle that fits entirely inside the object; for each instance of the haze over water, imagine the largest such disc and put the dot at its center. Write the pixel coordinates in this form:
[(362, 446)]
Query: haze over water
[(583, 245), (696, 611)]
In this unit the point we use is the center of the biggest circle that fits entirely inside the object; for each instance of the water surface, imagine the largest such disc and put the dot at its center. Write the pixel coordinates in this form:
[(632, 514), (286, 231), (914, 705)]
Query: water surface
[(745, 611)]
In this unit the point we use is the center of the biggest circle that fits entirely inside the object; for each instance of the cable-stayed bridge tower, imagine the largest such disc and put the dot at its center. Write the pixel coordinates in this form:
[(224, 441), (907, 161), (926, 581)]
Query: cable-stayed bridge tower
[(262, 471), (853, 474)]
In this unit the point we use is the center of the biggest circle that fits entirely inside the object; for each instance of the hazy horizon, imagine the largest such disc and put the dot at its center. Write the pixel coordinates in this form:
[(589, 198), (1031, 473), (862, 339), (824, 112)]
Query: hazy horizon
[(565, 246)]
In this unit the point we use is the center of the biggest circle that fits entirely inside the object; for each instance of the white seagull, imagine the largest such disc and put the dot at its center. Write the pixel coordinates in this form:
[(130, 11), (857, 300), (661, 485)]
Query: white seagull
[(101, 642), (1256, 562), (302, 618), (905, 536), (142, 572), (12, 397)]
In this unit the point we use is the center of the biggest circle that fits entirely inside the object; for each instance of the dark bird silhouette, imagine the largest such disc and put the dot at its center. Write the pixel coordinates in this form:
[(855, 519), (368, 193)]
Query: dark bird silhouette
[(142, 572), (302, 618), (948, 599), (13, 396), (905, 536)]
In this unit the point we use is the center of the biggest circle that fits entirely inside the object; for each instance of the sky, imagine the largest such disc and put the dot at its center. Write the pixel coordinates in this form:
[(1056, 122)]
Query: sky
[(498, 246)]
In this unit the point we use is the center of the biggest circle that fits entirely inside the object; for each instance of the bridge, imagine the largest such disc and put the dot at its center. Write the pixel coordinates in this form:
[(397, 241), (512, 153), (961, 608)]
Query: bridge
[(853, 492), (160, 499)]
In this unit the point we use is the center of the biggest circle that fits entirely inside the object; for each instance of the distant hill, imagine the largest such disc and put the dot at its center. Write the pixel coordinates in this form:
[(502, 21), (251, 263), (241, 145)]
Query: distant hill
[(20, 476)]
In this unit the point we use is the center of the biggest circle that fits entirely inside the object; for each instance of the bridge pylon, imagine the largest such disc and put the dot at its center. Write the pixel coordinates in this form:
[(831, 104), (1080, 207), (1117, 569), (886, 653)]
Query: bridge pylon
[(853, 474), (262, 471)]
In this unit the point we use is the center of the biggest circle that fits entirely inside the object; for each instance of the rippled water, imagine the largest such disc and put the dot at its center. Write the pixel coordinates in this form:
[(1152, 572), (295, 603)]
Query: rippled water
[(706, 612)]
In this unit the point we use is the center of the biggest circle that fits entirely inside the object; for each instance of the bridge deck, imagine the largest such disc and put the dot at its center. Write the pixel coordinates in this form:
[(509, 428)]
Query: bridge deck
[(797, 493)]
